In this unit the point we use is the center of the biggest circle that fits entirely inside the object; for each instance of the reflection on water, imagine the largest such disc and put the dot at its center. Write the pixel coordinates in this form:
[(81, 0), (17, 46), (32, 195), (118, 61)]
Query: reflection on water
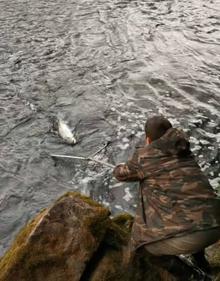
[(105, 66)]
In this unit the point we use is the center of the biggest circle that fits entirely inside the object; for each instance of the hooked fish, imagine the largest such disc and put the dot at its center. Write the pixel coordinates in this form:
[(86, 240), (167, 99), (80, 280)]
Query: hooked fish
[(65, 132)]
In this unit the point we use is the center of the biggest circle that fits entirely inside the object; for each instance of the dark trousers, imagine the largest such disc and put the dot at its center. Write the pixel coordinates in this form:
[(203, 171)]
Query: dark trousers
[(182, 270), (166, 253)]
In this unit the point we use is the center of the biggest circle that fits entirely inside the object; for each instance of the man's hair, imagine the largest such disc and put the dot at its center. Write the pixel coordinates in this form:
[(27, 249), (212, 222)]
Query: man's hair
[(156, 127)]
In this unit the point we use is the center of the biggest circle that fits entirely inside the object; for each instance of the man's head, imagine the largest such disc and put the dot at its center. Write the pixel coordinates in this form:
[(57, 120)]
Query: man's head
[(156, 127)]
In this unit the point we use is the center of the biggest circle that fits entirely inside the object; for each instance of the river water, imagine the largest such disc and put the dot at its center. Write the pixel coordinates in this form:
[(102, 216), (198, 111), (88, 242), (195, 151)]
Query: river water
[(104, 66)]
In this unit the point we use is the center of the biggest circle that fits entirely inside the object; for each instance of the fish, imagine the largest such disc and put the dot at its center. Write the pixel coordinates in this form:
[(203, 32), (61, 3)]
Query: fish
[(65, 132)]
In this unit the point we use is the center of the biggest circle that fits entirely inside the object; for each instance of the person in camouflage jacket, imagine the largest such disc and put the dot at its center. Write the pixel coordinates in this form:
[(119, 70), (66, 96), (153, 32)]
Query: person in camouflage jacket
[(178, 212)]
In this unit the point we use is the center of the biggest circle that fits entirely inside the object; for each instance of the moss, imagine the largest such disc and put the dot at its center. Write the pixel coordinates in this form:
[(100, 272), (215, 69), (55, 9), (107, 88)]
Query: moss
[(20, 253), (17, 251), (213, 254), (85, 198), (116, 236), (118, 230), (124, 220), (99, 220), (215, 260)]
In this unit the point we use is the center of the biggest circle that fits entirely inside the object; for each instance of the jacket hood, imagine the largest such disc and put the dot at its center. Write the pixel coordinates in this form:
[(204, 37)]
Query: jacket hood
[(174, 142)]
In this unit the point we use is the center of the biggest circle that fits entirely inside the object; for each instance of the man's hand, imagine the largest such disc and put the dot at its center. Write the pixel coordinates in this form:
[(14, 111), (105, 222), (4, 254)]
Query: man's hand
[(130, 171)]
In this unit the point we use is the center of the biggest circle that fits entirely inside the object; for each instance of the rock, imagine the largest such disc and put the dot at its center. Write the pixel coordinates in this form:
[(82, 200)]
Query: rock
[(109, 260), (76, 240), (58, 243), (213, 255)]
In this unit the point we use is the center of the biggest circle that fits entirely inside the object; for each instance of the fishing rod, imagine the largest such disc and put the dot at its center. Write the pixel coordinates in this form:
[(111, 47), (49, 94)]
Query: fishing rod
[(83, 158)]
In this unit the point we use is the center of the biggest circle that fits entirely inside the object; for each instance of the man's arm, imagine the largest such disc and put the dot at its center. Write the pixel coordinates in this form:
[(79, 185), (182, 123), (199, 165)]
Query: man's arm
[(130, 171)]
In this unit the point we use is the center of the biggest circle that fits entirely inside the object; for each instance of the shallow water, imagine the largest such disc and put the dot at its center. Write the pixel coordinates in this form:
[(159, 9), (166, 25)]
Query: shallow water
[(105, 66)]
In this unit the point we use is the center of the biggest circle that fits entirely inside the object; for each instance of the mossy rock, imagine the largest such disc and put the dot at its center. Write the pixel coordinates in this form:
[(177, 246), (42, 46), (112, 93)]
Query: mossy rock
[(119, 230), (111, 262), (58, 243), (124, 220), (16, 254), (84, 198), (76, 240)]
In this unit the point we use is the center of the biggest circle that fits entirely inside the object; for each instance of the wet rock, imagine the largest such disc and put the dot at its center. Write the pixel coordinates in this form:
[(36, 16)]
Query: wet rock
[(58, 243)]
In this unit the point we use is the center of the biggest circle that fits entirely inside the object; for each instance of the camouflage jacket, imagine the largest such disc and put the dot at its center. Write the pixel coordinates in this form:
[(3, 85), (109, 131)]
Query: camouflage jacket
[(175, 197)]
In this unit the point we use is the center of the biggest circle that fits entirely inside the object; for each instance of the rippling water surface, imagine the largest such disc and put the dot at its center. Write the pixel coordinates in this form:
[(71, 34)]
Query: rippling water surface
[(105, 66)]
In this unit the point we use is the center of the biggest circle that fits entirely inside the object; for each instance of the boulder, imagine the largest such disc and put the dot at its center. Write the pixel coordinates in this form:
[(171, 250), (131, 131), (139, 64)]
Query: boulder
[(109, 263), (58, 243)]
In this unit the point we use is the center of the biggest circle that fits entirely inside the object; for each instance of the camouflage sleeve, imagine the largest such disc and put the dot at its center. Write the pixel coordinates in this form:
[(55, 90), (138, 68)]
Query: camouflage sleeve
[(130, 171)]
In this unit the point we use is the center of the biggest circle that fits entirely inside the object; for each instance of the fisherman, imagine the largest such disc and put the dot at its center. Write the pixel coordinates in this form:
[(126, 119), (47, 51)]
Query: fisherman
[(178, 212)]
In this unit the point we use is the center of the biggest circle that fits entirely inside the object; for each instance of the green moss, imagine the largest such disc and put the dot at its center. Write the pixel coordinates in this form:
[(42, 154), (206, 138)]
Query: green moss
[(124, 220), (215, 260), (98, 221), (17, 251), (85, 198), (118, 231), (116, 236)]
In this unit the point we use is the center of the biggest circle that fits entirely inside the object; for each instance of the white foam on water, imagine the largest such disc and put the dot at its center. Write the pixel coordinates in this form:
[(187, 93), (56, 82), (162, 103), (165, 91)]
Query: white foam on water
[(84, 182), (134, 125), (205, 167), (130, 103), (194, 140), (105, 203), (125, 140), (118, 207), (174, 121), (122, 128), (196, 121), (215, 183), (118, 184), (216, 136), (211, 124), (196, 148), (123, 146), (139, 134), (204, 142), (176, 104), (128, 195), (211, 148)]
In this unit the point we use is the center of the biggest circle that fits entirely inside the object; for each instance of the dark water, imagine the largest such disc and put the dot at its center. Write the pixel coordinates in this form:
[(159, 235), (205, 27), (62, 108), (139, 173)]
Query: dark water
[(105, 66)]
